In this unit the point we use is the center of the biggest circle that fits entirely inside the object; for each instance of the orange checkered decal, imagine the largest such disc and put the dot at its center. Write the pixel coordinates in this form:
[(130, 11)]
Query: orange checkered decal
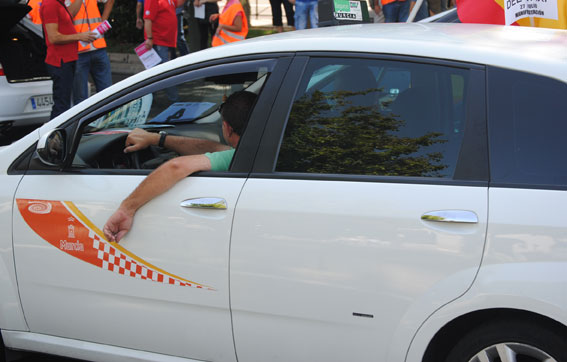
[(64, 226)]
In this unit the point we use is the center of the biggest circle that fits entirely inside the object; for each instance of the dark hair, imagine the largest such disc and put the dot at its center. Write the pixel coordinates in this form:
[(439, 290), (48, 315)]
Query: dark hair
[(236, 110)]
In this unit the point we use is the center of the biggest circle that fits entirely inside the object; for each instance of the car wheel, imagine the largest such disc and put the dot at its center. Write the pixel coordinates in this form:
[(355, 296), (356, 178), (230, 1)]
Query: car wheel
[(511, 341)]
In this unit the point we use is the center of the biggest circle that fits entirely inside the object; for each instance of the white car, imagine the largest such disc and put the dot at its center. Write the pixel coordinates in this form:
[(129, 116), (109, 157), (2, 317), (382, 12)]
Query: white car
[(399, 194), (25, 87)]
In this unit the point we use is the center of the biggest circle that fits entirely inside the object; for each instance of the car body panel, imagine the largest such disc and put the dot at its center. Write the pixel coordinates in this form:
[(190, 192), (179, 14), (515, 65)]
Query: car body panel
[(82, 350), (11, 314), (187, 243), (18, 104), (519, 266), (313, 259)]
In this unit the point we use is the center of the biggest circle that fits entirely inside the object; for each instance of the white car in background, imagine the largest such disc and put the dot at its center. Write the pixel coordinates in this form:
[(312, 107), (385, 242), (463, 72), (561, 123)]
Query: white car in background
[(25, 87), (399, 194)]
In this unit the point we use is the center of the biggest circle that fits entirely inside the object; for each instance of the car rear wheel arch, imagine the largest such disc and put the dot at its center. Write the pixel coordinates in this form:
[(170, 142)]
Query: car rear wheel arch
[(462, 327)]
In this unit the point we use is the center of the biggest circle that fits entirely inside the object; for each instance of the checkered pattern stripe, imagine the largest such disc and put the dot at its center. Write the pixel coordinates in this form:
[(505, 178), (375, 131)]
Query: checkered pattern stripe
[(116, 261)]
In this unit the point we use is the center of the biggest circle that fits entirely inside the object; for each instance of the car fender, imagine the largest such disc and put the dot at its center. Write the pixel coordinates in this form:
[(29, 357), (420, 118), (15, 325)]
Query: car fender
[(514, 286), (422, 308), (11, 313)]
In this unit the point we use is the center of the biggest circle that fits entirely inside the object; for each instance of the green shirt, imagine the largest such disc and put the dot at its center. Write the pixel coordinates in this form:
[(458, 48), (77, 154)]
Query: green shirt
[(220, 161)]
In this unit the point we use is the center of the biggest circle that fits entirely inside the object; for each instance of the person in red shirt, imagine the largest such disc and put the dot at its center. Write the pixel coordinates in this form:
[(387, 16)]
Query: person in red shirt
[(160, 25), (160, 31), (61, 40)]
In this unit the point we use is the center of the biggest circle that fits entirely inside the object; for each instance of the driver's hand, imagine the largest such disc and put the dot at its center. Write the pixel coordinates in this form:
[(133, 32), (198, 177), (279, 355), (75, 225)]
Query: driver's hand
[(139, 139)]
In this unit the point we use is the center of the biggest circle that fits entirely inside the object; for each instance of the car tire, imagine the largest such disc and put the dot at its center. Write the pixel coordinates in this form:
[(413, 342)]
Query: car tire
[(511, 341), (2, 349)]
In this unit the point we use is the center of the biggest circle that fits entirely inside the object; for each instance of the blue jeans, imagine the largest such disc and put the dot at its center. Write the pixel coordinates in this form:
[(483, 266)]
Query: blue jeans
[(62, 78), (423, 11), (396, 12), (303, 10), (95, 63), (164, 53)]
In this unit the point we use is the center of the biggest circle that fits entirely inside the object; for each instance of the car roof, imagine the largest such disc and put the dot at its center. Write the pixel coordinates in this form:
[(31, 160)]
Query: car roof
[(534, 50)]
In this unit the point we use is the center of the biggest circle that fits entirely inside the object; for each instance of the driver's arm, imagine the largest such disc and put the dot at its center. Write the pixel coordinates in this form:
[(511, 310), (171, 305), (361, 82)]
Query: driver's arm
[(158, 182), (139, 139)]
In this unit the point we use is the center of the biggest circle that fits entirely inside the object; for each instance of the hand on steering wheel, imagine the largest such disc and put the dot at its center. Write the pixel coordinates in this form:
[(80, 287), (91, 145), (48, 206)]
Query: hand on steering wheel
[(140, 139)]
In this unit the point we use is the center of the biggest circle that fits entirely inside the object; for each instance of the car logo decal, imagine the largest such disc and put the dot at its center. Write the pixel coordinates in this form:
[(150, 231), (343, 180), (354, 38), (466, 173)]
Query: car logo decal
[(39, 207), (64, 226)]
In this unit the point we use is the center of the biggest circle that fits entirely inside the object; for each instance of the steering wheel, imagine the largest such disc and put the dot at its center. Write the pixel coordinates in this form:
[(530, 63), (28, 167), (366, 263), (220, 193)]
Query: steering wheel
[(150, 157), (135, 159)]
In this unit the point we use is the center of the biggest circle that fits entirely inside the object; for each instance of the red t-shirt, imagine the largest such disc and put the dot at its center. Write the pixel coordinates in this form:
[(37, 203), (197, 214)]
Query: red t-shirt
[(164, 21), (55, 12)]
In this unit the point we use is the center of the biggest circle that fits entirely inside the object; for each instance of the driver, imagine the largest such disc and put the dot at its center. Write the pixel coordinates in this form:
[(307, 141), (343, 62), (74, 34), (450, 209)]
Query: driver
[(197, 155)]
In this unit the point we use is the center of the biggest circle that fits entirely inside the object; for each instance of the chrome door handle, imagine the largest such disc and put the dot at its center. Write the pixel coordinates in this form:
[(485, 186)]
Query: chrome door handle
[(460, 216), (216, 203)]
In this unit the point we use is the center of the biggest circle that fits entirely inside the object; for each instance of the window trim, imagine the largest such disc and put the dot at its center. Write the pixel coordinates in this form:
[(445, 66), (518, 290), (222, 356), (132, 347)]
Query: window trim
[(161, 81), (475, 139)]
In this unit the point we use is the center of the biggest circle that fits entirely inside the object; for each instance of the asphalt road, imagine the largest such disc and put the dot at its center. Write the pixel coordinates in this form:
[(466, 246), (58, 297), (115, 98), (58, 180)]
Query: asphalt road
[(37, 357)]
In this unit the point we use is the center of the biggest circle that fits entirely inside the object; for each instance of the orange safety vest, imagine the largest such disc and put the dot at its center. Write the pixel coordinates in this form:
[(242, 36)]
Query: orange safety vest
[(386, 2), (87, 19), (227, 18), (34, 13)]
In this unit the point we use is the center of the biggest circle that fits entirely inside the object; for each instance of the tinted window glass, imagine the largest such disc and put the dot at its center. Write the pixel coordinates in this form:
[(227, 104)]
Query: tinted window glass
[(527, 128), (376, 117)]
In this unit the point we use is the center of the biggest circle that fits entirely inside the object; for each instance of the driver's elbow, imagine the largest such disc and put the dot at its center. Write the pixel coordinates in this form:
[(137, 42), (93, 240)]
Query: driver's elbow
[(177, 168)]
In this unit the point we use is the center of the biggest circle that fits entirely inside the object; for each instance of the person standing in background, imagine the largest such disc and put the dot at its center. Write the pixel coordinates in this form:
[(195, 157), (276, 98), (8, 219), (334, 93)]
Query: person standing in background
[(200, 27), (93, 58), (160, 31), (423, 11), (61, 40), (437, 6), (233, 25), (306, 9), (395, 11), (181, 42), (34, 13), (276, 6), (160, 26), (139, 14)]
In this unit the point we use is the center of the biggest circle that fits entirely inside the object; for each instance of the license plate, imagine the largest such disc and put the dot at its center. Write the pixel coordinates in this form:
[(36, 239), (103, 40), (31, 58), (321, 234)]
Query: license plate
[(41, 102)]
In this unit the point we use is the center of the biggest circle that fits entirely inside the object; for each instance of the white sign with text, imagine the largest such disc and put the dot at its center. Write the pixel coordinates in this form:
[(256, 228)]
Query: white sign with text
[(519, 9)]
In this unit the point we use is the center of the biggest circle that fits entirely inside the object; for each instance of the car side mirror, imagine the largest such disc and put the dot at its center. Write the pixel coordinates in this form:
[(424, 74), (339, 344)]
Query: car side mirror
[(51, 148)]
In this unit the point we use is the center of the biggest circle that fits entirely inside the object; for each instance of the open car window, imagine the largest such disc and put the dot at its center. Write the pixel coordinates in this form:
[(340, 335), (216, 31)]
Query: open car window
[(189, 108)]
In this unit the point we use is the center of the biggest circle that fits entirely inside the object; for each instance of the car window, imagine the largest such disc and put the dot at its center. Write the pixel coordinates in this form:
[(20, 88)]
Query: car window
[(190, 108), (527, 129), (376, 117)]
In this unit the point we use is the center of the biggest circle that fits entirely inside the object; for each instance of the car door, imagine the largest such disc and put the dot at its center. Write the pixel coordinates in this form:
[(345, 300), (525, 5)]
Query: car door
[(365, 212), (165, 287)]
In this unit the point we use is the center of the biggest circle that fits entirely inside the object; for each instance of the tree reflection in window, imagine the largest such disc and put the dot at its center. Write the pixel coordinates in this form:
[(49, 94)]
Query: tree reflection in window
[(332, 133)]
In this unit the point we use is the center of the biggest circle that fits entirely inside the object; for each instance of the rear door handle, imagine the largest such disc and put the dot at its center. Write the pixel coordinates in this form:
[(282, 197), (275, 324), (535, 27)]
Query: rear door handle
[(457, 216), (216, 203)]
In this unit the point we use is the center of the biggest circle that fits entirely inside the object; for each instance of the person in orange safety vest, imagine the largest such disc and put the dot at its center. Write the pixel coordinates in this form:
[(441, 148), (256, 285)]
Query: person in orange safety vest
[(93, 58), (34, 13), (233, 25)]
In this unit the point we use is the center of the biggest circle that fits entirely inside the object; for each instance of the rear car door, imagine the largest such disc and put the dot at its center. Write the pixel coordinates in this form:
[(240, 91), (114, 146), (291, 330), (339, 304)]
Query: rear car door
[(165, 287), (366, 209)]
